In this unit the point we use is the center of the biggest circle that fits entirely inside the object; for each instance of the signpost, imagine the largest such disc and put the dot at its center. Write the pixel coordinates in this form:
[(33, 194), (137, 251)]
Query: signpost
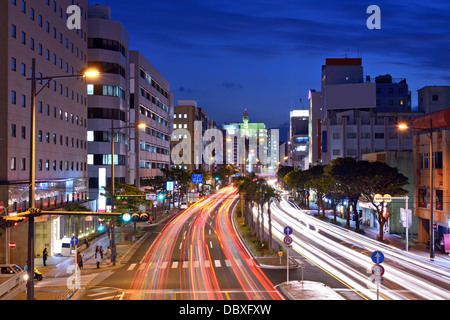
[(12, 245), (377, 269), (74, 242), (287, 241)]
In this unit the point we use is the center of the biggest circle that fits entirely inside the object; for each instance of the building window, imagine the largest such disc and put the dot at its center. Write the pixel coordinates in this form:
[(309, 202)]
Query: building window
[(13, 97), (23, 165), (336, 135), (13, 31), (439, 199), (13, 163), (435, 97), (13, 130), (422, 198), (379, 135), (437, 160)]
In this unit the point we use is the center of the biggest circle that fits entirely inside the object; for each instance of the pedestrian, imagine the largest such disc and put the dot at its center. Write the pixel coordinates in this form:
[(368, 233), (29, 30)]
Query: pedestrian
[(98, 260), (101, 252), (79, 260), (44, 256), (86, 242)]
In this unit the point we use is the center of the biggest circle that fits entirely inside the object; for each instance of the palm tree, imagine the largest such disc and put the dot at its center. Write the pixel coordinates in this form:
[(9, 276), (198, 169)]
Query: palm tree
[(247, 190), (268, 195)]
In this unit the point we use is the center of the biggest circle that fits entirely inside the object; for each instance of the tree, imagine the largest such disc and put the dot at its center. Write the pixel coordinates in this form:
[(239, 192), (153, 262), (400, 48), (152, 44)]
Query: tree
[(380, 178), (296, 180), (269, 194), (246, 187), (318, 182), (123, 203), (347, 172)]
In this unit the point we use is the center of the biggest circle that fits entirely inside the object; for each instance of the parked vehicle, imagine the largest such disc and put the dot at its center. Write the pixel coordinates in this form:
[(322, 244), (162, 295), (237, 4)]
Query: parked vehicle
[(183, 205)]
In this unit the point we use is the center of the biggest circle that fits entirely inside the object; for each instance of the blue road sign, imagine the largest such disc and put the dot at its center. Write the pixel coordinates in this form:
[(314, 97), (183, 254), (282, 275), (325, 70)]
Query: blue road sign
[(377, 257), (287, 240), (197, 178), (74, 241), (287, 231)]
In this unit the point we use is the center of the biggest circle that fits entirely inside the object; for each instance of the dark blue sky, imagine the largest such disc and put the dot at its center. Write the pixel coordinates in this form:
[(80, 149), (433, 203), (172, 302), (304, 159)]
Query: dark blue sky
[(265, 55)]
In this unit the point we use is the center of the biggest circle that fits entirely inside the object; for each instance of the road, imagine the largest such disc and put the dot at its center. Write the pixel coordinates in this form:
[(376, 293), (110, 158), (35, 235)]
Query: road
[(195, 256), (346, 256)]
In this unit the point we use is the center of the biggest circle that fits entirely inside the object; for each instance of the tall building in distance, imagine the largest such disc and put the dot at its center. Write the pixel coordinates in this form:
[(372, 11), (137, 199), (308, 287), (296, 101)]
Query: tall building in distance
[(298, 138), (251, 147), (108, 101), (151, 102), (37, 30), (185, 114)]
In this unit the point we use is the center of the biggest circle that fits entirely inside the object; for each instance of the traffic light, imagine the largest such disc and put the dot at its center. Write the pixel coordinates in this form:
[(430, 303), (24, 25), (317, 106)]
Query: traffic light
[(161, 196), (11, 222), (101, 226), (217, 178), (139, 216), (126, 217)]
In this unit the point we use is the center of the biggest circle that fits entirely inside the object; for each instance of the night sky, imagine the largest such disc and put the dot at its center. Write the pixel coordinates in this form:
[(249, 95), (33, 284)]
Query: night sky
[(265, 55)]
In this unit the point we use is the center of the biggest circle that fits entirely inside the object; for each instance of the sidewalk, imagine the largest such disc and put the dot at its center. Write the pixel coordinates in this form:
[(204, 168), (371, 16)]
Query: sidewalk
[(57, 266)]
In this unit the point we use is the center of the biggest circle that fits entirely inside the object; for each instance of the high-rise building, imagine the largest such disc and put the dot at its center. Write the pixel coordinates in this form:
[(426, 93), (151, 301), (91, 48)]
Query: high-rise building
[(359, 117), (186, 116), (298, 138), (38, 30), (108, 98), (152, 103)]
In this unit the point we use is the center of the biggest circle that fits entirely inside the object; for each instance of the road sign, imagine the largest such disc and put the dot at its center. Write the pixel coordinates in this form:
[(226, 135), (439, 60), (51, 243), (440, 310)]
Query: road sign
[(287, 231), (377, 257), (287, 240), (377, 270), (197, 178), (405, 217), (12, 245), (74, 241), (150, 196)]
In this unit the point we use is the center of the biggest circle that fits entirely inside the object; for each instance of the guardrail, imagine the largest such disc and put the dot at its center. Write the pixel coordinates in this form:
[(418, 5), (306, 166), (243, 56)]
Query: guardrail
[(11, 283)]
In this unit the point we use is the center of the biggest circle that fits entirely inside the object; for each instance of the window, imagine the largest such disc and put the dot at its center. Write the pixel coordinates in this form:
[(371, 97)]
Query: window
[(435, 97), (24, 38), (379, 135), (336, 135), (422, 198), (365, 135), (23, 165), (13, 64), (13, 163), (336, 152), (13, 97), (13, 130), (424, 157), (437, 160), (351, 135), (439, 199), (13, 31)]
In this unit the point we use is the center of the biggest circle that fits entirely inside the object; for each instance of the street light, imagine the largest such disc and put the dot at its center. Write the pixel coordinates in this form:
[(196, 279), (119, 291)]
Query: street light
[(113, 240), (404, 126), (32, 190)]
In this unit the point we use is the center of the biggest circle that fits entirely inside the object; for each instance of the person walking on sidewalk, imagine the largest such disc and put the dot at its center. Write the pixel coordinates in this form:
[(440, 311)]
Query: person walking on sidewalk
[(79, 260), (108, 255), (44, 256), (101, 252), (97, 256)]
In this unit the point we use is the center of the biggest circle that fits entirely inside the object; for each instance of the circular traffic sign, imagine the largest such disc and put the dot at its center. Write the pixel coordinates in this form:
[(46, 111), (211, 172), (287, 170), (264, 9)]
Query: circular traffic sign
[(377, 257), (74, 241), (287, 231), (12, 245), (287, 240), (377, 270)]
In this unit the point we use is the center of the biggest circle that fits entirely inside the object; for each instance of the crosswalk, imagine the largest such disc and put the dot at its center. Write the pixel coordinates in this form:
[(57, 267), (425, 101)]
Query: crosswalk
[(189, 264)]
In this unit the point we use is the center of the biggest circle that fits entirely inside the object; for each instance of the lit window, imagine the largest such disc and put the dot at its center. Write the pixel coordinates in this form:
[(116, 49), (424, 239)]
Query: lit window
[(90, 136), (90, 89)]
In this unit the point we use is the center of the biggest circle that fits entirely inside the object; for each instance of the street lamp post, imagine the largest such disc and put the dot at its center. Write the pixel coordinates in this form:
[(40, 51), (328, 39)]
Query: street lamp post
[(32, 203), (429, 134), (113, 239)]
